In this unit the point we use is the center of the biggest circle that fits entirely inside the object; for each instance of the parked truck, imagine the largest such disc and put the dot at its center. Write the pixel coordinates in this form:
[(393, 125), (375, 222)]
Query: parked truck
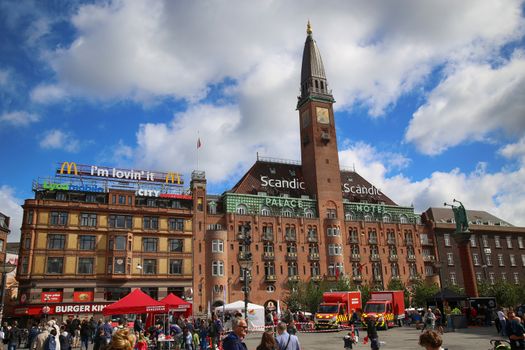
[(388, 307), (336, 309)]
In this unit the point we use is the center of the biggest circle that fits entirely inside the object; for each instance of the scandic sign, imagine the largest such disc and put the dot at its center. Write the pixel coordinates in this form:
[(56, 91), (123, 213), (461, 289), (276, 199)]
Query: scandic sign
[(71, 168), (266, 181)]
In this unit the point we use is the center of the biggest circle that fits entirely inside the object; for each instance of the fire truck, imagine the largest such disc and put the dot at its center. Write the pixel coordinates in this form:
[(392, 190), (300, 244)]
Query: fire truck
[(336, 309), (388, 306)]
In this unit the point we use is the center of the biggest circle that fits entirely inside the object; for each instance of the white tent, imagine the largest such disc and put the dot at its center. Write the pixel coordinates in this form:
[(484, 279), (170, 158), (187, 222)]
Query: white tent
[(255, 313)]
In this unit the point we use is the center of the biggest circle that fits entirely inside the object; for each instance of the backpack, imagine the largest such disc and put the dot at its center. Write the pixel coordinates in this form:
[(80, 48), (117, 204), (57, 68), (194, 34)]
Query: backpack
[(64, 341), (50, 343)]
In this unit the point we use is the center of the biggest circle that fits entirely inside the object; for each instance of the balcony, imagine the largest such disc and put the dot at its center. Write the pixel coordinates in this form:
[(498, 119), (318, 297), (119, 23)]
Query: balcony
[(312, 239), (391, 241), (429, 258), (358, 278), (372, 240), (393, 258), (270, 278), (294, 278), (291, 256), (377, 278), (313, 256), (411, 258), (267, 236), (427, 241), (268, 256), (316, 278), (355, 257), (353, 240), (244, 256), (374, 257), (290, 237)]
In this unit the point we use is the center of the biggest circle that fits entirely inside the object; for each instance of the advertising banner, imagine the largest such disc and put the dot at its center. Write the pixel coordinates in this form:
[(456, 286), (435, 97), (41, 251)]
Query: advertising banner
[(51, 297), (83, 297)]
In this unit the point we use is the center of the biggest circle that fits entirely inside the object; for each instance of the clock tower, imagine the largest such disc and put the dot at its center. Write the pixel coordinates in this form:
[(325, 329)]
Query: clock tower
[(319, 154)]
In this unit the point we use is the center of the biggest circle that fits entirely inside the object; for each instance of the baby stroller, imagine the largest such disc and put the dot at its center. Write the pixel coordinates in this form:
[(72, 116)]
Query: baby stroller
[(499, 344)]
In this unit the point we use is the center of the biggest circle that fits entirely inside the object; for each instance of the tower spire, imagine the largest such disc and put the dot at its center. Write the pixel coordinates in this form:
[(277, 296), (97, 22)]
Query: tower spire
[(314, 85)]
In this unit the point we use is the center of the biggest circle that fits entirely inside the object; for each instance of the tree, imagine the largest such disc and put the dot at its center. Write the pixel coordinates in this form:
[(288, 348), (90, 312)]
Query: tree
[(423, 290), (506, 294), (365, 293)]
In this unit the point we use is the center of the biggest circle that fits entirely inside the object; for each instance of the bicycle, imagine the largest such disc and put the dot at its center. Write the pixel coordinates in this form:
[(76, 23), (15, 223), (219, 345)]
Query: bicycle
[(499, 344)]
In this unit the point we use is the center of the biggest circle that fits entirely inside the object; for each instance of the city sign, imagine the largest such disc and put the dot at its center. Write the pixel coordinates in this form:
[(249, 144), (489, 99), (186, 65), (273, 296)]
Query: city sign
[(72, 168)]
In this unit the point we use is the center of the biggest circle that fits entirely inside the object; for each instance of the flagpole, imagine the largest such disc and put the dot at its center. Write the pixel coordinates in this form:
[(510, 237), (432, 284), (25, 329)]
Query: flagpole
[(198, 146)]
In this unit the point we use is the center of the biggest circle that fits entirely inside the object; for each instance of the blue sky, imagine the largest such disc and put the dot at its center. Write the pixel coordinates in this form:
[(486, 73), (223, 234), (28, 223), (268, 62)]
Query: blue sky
[(430, 95)]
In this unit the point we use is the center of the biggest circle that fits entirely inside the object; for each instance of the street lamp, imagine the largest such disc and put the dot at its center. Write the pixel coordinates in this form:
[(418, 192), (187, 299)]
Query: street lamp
[(438, 266), (246, 263), (5, 268)]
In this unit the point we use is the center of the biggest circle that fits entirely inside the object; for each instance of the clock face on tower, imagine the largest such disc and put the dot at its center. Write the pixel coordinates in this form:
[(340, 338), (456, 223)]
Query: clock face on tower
[(323, 117)]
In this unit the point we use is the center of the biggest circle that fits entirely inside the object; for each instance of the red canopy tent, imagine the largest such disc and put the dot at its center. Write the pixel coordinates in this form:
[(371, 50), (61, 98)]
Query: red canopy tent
[(175, 304), (136, 302)]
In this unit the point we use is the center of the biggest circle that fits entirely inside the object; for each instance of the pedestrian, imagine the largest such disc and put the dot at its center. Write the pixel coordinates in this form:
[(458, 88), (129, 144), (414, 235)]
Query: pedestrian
[(515, 331), (51, 342), (267, 342), (286, 341), (235, 340), (64, 338), (137, 325), (502, 323), (349, 341), (100, 341), (13, 336), (108, 331), (196, 339), (371, 332), (204, 335), (85, 334), (122, 340), (40, 339), (430, 340), (429, 320), (33, 332)]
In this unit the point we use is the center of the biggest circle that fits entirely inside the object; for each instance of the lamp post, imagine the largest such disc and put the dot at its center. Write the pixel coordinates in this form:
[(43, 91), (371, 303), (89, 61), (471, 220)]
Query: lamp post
[(246, 263), (438, 266), (5, 268)]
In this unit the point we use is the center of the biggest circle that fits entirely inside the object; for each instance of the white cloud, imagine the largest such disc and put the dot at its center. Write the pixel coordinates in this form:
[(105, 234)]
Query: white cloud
[(48, 94), (19, 118), (58, 139), (500, 193), (515, 150), (10, 205), (469, 104)]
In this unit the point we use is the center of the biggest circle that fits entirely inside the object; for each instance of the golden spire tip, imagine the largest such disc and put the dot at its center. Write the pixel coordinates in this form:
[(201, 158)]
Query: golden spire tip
[(308, 28)]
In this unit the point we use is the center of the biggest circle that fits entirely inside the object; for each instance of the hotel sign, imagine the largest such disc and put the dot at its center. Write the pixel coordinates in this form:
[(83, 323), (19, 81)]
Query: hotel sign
[(72, 168)]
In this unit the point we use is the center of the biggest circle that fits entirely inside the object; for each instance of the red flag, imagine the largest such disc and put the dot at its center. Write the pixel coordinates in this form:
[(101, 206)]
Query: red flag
[(199, 143)]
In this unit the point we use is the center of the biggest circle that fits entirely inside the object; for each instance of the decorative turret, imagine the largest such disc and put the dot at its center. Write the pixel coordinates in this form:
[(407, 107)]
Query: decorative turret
[(314, 85)]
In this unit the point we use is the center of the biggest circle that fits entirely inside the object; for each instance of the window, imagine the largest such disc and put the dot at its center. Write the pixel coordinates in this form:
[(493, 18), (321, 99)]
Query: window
[(450, 259), (491, 278), (150, 266), (292, 268), (217, 246), (512, 260), (55, 265), (308, 213), (175, 266), (87, 242), (89, 220), (313, 249), (504, 276), (516, 278), (523, 260), (85, 266), (520, 242), (269, 268), (116, 293), (356, 270), (217, 268), (368, 218), (58, 218), (453, 279), (122, 199), (287, 213), (315, 270), (27, 243), (290, 233), (120, 221), (403, 219), (333, 232), (509, 242), (500, 260), (395, 269), (149, 244), (349, 216), (55, 241), (331, 214), (119, 266), (24, 265), (241, 209), (475, 259), (119, 243), (473, 242), (488, 259), (29, 218), (386, 218), (1, 245), (291, 248), (150, 223), (485, 240), (176, 245), (176, 224), (478, 276), (91, 198), (497, 242), (334, 249), (446, 239), (265, 211)]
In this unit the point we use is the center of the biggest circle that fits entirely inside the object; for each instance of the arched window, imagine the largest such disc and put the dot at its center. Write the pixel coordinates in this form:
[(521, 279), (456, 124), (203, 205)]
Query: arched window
[(386, 218), (266, 211), (287, 212), (308, 213), (403, 219), (368, 218), (292, 268), (242, 209)]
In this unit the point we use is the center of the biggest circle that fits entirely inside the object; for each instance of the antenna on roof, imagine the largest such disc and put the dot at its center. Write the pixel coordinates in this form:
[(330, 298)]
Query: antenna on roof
[(257, 155), (353, 166)]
